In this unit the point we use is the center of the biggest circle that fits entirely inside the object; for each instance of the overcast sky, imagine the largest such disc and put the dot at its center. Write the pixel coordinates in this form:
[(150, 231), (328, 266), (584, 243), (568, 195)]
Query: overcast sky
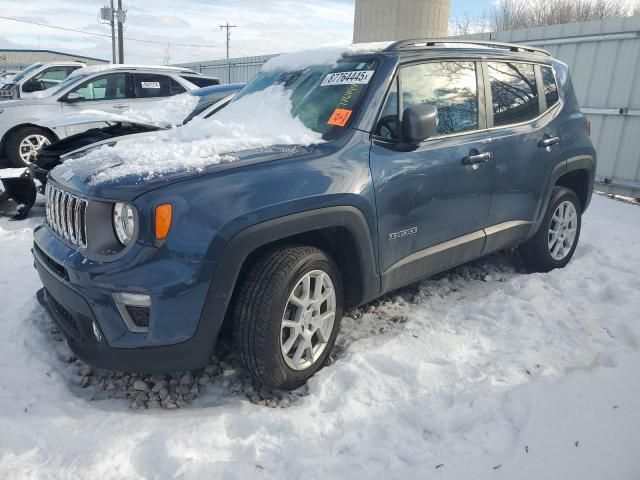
[(263, 26)]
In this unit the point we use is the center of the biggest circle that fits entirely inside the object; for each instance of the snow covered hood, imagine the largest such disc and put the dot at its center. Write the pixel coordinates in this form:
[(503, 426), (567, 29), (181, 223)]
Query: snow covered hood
[(255, 123), (163, 113), (89, 116)]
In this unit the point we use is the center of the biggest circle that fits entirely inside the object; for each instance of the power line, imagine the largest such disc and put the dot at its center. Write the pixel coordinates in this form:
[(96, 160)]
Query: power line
[(105, 35)]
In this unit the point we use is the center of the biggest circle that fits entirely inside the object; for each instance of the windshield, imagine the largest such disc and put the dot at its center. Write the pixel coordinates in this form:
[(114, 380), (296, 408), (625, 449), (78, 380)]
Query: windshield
[(64, 84), (323, 97), (23, 73)]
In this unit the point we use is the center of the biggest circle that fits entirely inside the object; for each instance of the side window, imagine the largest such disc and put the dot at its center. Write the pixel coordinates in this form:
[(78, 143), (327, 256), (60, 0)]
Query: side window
[(148, 85), (107, 87), (52, 76), (451, 87), (176, 88), (550, 86), (514, 92)]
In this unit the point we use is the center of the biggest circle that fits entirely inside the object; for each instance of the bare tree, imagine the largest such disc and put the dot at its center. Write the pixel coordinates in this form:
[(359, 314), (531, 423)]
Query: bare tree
[(513, 14), (467, 24)]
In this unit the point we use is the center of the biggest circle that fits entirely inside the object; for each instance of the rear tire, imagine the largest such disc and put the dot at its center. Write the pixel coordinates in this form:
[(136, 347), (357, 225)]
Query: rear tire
[(275, 316), (22, 144), (557, 238)]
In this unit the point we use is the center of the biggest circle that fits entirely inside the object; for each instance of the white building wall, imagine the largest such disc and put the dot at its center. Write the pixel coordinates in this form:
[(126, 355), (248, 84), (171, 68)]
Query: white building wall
[(382, 20)]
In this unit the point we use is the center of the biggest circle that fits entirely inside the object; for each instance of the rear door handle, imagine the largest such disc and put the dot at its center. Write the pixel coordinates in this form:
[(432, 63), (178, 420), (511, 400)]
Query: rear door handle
[(121, 105), (476, 157), (547, 141)]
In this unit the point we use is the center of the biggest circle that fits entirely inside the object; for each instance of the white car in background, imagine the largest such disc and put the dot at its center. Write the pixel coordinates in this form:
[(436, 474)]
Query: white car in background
[(37, 77), (7, 75), (109, 88)]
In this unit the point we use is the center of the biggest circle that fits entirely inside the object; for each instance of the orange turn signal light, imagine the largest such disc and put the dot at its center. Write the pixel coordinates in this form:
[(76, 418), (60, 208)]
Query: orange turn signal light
[(163, 220)]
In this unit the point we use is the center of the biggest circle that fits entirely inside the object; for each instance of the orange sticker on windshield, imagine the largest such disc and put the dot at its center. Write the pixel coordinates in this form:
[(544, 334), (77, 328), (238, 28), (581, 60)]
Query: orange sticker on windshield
[(340, 117)]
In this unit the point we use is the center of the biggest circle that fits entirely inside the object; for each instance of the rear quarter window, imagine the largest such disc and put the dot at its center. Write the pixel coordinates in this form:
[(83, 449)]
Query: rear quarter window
[(514, 92)]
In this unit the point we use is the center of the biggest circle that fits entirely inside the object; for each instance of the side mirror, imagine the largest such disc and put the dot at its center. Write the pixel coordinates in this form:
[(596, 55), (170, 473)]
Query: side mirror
[(74, 97), (419, 123)]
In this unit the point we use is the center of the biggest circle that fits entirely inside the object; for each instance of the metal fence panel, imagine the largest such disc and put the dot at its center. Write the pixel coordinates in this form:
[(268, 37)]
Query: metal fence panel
[(237, 70)]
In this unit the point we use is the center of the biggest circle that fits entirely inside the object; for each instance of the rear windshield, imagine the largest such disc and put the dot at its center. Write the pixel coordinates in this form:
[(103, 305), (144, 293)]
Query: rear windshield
[(326, 97)]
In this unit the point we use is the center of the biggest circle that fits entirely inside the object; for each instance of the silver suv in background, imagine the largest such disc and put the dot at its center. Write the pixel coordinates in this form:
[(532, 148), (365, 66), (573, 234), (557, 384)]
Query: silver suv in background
[(37, 77), (109, 88)]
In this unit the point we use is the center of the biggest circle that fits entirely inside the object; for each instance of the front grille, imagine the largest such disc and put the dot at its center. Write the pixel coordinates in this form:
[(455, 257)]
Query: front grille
[(66, 215)]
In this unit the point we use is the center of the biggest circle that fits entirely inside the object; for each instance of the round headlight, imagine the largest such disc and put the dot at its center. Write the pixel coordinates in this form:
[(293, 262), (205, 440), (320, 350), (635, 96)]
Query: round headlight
[(124, 222)]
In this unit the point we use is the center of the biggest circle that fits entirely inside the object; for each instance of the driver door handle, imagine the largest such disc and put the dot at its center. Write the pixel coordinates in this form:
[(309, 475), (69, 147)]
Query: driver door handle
[(121, 105), (476, 157), (547, 141)]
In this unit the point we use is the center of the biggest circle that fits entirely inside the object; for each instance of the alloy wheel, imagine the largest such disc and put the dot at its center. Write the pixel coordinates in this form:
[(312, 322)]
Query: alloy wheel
[(30, 145), (308, 320), (562, 230)]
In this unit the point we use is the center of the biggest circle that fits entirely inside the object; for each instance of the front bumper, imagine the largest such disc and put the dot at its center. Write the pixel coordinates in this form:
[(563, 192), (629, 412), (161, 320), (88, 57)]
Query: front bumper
[(78, 296)]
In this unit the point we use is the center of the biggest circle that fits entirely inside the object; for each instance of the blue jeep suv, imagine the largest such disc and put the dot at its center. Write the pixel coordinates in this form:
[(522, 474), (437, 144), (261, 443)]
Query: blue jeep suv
[(429, 154)]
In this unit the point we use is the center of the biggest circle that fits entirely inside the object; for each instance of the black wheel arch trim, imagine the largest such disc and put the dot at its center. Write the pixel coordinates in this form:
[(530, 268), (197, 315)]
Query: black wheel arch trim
[(578, 162), (248, 240)]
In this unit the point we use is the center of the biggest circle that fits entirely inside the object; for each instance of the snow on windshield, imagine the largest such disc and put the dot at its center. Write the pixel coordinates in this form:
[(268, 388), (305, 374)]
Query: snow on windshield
[(259, 120), (321, 56)]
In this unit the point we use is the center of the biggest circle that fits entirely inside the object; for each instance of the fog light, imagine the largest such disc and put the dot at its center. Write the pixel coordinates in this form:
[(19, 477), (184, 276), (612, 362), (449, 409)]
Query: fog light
[(135, 310), (96, 332)]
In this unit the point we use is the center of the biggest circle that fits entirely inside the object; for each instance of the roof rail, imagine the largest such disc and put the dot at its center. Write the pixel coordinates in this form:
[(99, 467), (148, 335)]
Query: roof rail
[(434, 42)]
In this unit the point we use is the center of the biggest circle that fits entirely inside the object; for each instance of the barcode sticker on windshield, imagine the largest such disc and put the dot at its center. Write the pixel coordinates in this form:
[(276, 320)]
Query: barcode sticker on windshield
[(150, 84), (361, 77)]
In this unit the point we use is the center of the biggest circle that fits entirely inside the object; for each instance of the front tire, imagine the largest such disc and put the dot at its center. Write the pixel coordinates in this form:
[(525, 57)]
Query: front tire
[(287, 316), (22, 145), (557, 238)]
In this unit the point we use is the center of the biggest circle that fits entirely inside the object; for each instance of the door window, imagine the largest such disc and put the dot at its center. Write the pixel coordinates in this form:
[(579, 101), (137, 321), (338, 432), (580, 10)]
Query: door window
[(53, 76), (550, 86), (149, 85), (451, 87), (107, 87), (514, 91)]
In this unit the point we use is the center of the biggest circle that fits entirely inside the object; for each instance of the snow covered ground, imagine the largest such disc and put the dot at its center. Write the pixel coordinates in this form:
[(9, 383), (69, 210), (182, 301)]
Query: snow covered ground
[(483, 372)]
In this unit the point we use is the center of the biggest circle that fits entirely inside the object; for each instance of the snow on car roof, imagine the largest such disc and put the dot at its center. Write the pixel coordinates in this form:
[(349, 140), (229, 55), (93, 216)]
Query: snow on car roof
[(256, 121), (320, 56)]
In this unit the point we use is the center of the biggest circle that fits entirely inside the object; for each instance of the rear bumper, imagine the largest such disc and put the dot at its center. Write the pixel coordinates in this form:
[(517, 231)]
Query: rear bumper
[(80, 310)]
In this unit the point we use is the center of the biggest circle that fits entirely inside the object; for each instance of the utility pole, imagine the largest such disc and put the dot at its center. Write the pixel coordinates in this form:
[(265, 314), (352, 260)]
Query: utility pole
[(228, 27), (120, 32), (113, 35), (107, 14)]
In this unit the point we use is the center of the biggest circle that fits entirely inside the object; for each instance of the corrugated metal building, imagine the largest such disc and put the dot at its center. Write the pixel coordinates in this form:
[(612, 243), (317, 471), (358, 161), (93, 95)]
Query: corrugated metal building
[(604, 57), (238, 70), (17, 59)]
